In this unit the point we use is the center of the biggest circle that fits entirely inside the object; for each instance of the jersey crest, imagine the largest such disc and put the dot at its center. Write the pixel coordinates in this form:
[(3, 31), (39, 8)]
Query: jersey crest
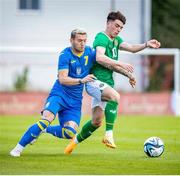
[(115, 42), (78, 70)]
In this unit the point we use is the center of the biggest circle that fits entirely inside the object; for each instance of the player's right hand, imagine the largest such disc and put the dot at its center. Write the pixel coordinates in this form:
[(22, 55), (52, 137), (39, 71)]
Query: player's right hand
[(88, 78)]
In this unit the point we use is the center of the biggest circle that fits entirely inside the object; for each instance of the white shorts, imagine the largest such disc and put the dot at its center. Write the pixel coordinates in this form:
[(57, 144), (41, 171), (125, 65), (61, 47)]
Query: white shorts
[(95, 90)]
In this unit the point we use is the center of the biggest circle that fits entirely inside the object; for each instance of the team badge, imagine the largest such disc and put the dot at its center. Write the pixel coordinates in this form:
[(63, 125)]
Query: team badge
[(78, 70), (115, 42)]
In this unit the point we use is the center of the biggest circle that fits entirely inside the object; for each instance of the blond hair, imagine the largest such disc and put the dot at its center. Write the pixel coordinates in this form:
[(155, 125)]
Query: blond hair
[(78, 31)]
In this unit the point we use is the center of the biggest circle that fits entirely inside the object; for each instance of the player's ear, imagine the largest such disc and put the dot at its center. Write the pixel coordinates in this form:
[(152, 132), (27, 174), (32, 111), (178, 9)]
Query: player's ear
[(71, 40)]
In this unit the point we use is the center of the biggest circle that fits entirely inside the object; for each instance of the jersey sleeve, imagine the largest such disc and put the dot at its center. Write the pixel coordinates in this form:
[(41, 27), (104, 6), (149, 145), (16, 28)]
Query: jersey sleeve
[(93, 55), (120, 40), (100, 40), (63, 62)]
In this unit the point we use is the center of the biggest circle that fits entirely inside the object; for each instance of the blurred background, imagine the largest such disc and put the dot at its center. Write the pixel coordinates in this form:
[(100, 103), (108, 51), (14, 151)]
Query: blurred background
[(33, 32)]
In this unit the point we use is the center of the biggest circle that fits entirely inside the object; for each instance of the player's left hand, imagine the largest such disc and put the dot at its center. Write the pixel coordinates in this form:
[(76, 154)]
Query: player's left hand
[(132, 81), (153, 43)]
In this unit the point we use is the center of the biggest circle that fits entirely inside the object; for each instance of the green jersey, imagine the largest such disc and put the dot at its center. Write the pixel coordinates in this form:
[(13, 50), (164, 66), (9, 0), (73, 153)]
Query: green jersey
[(111, 46)]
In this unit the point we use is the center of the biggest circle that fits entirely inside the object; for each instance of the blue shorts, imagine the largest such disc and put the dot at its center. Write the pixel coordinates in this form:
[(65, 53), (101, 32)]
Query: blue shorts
[(55, 104)]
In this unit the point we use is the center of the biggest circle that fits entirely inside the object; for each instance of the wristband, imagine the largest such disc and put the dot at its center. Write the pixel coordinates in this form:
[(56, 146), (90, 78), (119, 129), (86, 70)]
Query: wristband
[(146, 45), (80, 82)]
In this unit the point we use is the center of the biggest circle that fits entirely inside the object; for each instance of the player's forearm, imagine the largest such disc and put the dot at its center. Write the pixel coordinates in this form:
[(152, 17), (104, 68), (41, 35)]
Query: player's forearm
[(138, 47), (105, 61), (133, 47), (68, 81), (121, 71)]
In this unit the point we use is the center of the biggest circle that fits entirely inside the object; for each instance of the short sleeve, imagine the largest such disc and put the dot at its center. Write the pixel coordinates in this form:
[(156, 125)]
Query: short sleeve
[(120, 40), (63, 62), (100, 40), (93, 55)]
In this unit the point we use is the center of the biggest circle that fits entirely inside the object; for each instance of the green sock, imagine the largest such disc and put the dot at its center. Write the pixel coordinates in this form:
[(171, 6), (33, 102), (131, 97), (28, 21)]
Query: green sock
[(86, 131), (110, 114)]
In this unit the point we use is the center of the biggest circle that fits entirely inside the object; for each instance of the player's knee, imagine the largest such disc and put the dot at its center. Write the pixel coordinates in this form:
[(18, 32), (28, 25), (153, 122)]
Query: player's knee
[(68, 132), (109, 94), (48, 115), (115, 96)]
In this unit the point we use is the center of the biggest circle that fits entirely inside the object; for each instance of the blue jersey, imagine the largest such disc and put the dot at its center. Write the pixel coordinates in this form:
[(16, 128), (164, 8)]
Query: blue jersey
[(78, 67)]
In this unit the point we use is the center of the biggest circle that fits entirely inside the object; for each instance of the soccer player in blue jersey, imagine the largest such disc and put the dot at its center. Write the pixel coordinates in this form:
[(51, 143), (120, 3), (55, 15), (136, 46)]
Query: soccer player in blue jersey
[(65, 97)]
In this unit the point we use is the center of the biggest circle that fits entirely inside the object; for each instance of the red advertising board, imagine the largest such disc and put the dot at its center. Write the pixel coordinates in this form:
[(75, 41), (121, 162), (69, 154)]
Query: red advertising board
[(130, 103)]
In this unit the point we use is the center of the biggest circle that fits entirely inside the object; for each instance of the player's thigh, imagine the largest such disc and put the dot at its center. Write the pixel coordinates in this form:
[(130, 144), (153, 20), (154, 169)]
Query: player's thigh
[(69, 120), (70, 117), (110, 94), (95, 89), (51, 108)]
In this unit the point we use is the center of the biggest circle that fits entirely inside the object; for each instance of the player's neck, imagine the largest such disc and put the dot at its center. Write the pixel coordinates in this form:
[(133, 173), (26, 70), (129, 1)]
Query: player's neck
[(108, 34), (76, 52)]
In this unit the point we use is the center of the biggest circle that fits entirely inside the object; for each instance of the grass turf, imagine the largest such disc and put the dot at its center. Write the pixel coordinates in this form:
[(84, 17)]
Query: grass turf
[(92, 157)]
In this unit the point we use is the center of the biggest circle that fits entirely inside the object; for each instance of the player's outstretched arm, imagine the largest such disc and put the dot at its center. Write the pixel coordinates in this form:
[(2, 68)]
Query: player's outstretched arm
[(138, 47)]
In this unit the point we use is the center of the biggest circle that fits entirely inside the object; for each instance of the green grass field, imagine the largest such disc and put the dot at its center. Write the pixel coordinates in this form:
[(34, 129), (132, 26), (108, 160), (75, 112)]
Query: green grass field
[(92, 157)]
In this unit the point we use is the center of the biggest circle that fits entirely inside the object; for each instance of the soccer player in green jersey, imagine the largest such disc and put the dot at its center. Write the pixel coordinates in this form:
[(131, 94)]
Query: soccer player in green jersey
[(108, 43)]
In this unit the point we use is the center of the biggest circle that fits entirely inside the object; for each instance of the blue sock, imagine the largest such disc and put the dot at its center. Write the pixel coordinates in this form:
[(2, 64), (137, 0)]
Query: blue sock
[(33, 132), (55, 130), (61, 132)]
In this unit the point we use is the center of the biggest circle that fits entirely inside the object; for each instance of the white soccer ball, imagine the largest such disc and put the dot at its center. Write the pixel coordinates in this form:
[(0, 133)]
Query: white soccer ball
[(154, 147)]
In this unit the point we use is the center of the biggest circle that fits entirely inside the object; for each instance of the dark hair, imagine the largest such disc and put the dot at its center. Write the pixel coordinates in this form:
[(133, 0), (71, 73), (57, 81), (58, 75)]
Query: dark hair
[(116, 16), (77, 31)]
